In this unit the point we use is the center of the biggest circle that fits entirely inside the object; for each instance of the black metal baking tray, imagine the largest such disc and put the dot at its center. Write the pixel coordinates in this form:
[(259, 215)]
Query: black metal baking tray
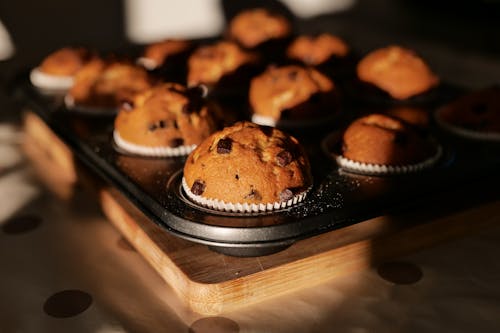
[(337, 199)]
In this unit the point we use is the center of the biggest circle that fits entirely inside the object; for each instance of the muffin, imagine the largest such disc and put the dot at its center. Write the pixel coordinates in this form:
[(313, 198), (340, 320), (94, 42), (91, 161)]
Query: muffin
[(57, 70), (291, 93), (166, 120), (156, 54), (474, 115), (316, 50), (418, 117), (247, 167), (398, 72), (379, 143), (223, 65), (262, 30), (101, 84)]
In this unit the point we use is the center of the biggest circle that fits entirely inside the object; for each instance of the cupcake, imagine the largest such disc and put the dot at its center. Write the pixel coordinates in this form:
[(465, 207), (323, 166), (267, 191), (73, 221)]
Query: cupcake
[(475, 115), (380, 144), (156, 54), (166, 120), (247, 168), (57, 70), (395, 74), (327, 52), (221, 66), (291, 94), (261, 30), (105, 85)]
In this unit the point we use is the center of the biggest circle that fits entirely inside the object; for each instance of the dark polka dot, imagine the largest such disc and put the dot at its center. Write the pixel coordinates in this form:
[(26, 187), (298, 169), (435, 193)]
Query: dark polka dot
[(21, 224), (124, 244), (214, 325), (400, 272), (67, 303)]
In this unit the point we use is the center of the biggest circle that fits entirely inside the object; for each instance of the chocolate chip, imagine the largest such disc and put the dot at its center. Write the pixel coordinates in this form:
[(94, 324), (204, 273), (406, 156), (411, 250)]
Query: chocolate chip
[(237, 177), (187, 109), (159, 124), (254, 195), (267, 130), (175, 124), (480, 108), (283, 158), (198, 187), (192, 106), (224, 146), (293, 75), (176, 142), (286, 195)]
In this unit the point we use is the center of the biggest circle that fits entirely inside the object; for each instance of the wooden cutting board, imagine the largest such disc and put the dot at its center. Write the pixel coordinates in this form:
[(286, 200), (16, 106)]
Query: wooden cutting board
[(211, 283)]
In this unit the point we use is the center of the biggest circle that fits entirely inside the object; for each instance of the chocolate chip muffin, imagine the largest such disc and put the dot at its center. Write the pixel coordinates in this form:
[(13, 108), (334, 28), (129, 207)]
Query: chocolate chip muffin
[(156, 54), (66, 61), (254, 27), (166, 120), (478, 113), (107, 84), (397, 71), (384, 140), (212, 64), (58, 69), (247, 164), (291, 93), (316, 50)]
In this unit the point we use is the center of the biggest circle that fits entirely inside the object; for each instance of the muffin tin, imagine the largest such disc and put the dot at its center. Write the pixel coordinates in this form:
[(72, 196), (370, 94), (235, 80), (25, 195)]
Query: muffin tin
[(337, 199)]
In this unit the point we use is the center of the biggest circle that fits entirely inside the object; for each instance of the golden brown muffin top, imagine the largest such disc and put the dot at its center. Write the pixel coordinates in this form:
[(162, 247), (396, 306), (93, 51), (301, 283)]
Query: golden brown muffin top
[(253, 27), (315, 50), (479, 110), (381, 139), (66, 61), (167, 115), (208, 64), (108, 84), (398, 71), (248, 163), (160, 51), (281, 88)]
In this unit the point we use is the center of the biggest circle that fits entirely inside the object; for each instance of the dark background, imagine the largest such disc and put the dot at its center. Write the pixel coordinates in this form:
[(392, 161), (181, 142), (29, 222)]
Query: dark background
[(460, 39)]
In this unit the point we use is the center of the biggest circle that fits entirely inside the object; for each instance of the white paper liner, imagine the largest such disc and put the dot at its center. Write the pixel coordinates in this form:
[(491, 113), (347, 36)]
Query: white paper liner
[(263, 120), (151, 151), (382, 169), (221, 205), (464, 132), (294, 123), (147, 63), (70, 104), (50, 82)]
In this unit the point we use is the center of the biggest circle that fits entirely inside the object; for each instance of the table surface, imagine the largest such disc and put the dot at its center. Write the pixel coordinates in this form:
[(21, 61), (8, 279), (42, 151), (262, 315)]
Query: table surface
[(65, 268)]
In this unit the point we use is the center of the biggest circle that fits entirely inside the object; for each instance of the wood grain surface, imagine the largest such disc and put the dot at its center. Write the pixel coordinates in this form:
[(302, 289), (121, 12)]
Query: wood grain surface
[(211, 283)]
